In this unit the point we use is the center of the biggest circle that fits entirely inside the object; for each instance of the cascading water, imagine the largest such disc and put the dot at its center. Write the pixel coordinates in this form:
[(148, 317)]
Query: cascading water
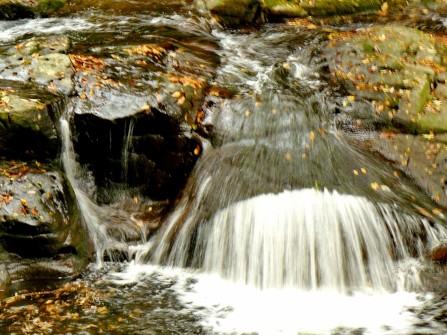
[(296, 222), (284, 226), (277, 211)]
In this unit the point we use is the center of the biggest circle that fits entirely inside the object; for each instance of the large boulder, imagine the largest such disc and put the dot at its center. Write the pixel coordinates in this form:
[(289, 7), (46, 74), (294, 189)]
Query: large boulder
[(137, 112), (42, 233), (35, 75)]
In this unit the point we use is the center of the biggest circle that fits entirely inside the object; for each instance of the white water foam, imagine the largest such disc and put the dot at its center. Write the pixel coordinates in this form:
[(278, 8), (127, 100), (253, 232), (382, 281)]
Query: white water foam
[(13, 30), (304, 239), (226, 307)]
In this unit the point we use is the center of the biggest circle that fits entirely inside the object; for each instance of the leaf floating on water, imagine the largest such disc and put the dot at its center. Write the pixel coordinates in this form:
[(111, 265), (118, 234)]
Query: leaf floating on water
[(288, 156), (312, 136), (363, 170), (356, 173), (247, 113), (375, 186)]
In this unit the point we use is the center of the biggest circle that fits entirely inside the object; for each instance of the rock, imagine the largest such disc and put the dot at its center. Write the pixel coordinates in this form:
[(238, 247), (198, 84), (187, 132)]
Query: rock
[(396, 69), (438, 254), (20, 9), (423, 158), (147, 152), (39, 60), (27, 123), (35, 75), (137, 110), (5, 279), (40, 225), (283, 8), (231, 12)]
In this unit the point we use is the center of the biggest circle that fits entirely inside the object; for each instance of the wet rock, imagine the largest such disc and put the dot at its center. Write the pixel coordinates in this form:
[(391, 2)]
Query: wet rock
[(283, 8), (231, 12), (137, 110), (35, 75), (148, 152), (5, 279), (438, 254), (397, 69), (39, 60), (124, 7), (27, 123), (424, 158), (41, 229), (19, 9)]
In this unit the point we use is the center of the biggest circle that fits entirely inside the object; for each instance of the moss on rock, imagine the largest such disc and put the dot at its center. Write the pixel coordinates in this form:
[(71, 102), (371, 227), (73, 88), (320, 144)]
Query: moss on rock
[(19, 9), (397, 69)]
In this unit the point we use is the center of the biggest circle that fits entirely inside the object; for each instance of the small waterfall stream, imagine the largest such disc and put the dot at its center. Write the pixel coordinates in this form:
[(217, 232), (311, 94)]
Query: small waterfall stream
[(284, 226)]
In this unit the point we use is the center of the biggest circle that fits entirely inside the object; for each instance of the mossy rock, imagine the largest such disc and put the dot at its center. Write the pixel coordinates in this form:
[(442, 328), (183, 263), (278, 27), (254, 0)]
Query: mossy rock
[(40, 60), (283, 8), (230, 12), (20, 9), (28, 125), (398, 70), (423, 157)]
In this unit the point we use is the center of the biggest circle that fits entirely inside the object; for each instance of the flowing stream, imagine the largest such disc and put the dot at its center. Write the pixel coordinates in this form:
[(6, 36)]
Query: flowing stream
[(273, 233)]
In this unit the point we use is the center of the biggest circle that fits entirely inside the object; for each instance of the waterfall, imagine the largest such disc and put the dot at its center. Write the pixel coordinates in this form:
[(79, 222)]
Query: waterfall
[(88, 209), (307, 239), (127, 146)]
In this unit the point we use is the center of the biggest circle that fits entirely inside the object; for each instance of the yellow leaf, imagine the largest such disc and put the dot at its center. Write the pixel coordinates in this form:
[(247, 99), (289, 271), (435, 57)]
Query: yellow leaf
[(176, 95), (356, 173), (312, 136), (181, 101), (288, 156), (247, 113), (363, 170), (436, 211), (375, 186)]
